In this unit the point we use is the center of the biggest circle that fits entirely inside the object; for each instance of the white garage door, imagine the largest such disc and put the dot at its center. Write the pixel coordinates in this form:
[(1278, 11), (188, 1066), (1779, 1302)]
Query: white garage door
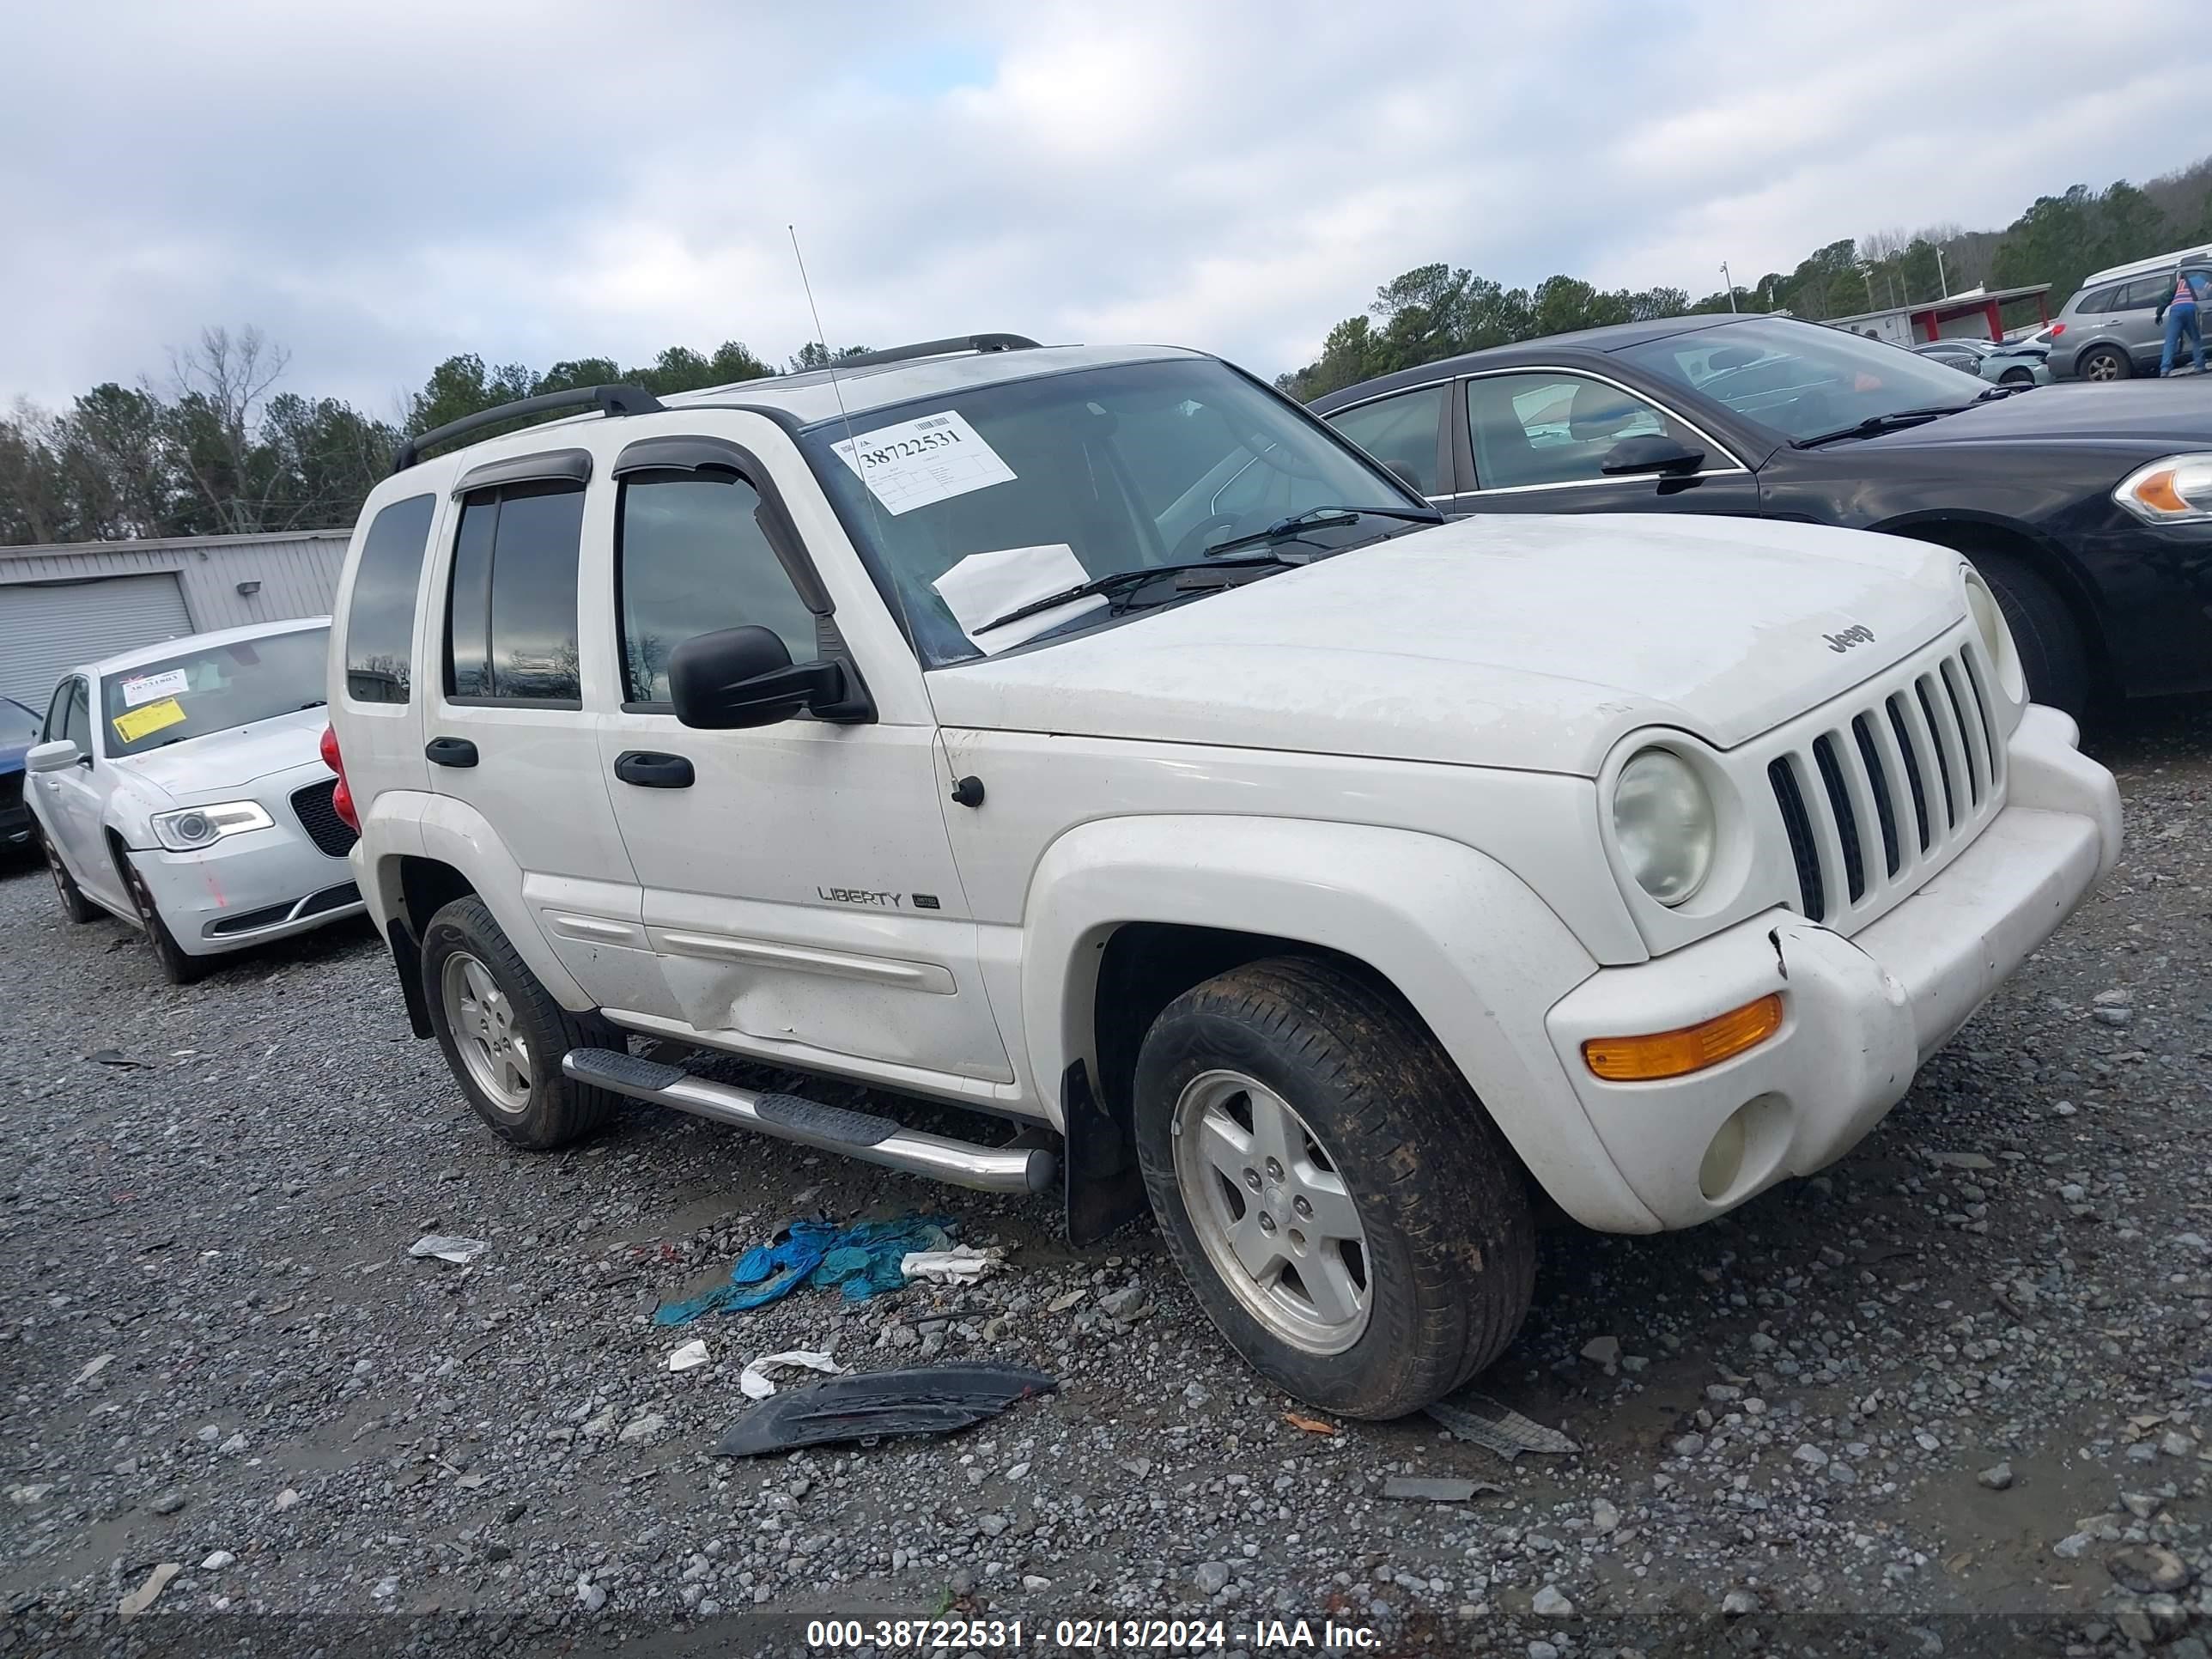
[(48, 627)]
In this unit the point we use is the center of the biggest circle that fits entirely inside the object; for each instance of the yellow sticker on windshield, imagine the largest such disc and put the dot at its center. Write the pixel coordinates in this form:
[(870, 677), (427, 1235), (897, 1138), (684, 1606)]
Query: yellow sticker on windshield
[(135, 723)]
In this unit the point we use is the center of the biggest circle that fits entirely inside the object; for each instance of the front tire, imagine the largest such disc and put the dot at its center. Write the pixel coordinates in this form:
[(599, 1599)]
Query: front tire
[(1333, 1191), (503, 1034), (2052, 652), (176, 965), (75, 905)]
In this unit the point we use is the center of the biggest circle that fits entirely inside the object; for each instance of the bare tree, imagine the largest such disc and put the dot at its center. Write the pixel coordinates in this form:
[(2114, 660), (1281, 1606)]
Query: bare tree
[(217, 388)]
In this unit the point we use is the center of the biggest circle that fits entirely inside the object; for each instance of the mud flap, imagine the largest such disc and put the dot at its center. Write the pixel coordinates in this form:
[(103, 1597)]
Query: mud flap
[(1105, 1189), (407, 961)]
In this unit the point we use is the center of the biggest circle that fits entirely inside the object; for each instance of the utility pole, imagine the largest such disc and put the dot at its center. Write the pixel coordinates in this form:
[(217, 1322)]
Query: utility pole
[(1867, 271), (1730, 280), (1942, 280)]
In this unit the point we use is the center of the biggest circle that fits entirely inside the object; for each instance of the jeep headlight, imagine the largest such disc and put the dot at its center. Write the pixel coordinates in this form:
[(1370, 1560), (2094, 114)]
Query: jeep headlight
[(192, 828), (1664, 824), (1996, 636)]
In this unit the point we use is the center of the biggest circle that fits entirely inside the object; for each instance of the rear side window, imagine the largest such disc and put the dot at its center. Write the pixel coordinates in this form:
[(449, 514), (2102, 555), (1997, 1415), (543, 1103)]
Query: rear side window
[(2102, 299), (511, 606), (692, 559), (2144, 294), (1400, 432), (381, 622)]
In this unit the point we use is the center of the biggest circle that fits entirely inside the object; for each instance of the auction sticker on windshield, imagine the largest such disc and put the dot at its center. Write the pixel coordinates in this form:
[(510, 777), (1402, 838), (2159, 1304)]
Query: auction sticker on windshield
[(933, 457), (135, 723), (169, 683)]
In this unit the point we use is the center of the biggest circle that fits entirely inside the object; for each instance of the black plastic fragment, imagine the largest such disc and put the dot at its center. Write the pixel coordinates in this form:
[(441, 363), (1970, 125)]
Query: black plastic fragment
[(879, 1405)]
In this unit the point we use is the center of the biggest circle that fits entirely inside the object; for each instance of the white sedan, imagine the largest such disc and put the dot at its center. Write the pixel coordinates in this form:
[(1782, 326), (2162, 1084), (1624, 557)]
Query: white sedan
[(183, 788)]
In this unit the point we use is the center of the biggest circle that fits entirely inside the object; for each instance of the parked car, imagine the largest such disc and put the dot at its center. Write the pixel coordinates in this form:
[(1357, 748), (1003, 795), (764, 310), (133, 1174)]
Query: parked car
[(2111, 328), (2088, 512), (195, 802), (1092, 738), (19, 730), (2007, 362)]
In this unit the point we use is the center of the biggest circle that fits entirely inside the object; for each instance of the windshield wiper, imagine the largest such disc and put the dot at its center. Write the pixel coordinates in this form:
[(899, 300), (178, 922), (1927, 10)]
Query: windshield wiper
[(1320, 517), (1874, 424), (1115, 580)]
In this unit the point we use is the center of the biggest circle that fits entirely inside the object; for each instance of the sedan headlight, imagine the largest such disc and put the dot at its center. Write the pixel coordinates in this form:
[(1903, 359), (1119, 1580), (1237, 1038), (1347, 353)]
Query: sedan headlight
[(1664, 824), (195, 827), (2176, 490)]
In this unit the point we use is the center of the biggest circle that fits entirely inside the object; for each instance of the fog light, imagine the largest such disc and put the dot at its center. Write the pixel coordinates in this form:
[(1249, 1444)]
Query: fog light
[(1692, 1048), (1724, 1159)]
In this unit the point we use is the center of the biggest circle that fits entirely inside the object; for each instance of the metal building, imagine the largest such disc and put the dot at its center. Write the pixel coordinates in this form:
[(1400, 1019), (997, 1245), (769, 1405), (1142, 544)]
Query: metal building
[(66, 602)]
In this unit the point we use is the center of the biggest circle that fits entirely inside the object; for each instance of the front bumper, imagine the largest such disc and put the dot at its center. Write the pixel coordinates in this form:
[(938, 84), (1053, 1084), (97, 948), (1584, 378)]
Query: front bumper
[(1860, 1014), (248, 888)]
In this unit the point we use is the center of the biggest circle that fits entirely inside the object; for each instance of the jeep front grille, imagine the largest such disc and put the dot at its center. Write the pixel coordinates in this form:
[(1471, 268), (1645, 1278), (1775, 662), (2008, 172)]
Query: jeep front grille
[(1904, 775)]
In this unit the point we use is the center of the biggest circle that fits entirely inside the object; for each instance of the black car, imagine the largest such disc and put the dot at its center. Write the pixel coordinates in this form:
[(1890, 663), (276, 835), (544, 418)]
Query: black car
[(2088, 509)]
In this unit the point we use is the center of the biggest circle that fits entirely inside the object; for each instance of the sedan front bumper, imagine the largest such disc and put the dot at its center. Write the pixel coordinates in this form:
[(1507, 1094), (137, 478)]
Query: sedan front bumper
[(248, 888)]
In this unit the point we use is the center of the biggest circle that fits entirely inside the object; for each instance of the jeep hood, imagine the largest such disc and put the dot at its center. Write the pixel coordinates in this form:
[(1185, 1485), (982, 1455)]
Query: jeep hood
[(1530, 642)]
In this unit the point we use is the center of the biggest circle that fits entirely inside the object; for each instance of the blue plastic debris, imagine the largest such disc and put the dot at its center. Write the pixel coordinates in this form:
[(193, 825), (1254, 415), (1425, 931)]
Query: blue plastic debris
[(864, 1260)]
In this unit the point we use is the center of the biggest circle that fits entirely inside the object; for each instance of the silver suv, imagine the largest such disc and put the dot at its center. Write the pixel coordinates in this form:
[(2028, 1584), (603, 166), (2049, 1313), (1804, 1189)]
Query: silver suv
[(2111, 328)]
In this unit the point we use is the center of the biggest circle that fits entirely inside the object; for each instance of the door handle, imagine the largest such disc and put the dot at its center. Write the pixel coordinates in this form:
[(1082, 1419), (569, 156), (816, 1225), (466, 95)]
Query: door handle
[(450, 752), (649, 770)]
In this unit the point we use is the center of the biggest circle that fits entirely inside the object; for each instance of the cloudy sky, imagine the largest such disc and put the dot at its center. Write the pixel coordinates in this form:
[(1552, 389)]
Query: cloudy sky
[(381, 187)]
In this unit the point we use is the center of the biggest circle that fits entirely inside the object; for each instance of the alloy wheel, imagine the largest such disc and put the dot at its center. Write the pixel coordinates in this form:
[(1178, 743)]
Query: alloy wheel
[(1272, 1213), (489, 1040)]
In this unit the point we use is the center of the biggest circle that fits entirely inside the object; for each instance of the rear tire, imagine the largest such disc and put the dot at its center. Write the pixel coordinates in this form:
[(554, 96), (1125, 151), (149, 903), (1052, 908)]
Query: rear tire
[(2104, 363), (503, 1034), (2052, 652), (177, 967), (1376, 1133), (2016, 376), (75, 905)]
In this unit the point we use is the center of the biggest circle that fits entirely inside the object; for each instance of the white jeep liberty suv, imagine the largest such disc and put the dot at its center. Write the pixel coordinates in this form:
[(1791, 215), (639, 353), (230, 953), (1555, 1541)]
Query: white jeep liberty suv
[(1093, 737)]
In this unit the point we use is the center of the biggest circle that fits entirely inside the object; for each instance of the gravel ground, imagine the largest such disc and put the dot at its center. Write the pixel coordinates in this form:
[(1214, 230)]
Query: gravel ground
[(1952, 1396)]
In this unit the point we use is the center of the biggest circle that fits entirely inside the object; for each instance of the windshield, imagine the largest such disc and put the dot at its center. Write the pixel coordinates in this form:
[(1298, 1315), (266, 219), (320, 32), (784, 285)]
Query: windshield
[(18, 725), (212, 690), (1084, 475), (1801, 380)]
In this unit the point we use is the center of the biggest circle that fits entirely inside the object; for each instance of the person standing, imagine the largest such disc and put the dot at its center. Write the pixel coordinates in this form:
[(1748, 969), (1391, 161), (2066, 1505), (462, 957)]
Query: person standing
[(2179, 315)]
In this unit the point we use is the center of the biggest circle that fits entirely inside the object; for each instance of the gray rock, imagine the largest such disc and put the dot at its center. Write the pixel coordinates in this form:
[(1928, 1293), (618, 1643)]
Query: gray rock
[(1549, 1603), (1604, 1515), (1602, 1351), (1811, 1456), (168, 1503), (1125, 1303), (1739, 1603), (590, 1594), (1209, 1577), (1997, 1477), (2069, 1547)]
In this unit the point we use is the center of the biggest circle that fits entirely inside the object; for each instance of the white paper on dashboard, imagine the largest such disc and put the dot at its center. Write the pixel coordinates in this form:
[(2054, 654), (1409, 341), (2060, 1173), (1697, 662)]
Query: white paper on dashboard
[(933, 457), (171, 682), (987, 585)]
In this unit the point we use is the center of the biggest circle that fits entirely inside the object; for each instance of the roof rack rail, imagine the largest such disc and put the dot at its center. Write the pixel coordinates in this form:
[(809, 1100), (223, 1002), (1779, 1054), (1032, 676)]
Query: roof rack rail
[(938, 349), (608, 399)]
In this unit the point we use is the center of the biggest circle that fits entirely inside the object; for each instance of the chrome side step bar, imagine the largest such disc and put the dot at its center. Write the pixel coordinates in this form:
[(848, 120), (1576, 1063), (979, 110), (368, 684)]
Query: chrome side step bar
[(813, 1123)]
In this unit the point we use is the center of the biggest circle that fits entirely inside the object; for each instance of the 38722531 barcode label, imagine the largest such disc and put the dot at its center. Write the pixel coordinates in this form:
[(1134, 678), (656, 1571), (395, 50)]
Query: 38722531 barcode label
[(931, 458)]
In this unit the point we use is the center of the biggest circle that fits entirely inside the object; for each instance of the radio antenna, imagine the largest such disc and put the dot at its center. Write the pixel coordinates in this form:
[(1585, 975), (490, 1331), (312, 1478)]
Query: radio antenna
[(852, 443)]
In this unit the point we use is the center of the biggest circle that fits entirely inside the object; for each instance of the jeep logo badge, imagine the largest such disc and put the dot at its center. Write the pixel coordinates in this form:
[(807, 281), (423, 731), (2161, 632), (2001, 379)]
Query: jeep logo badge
[(1857, 633)]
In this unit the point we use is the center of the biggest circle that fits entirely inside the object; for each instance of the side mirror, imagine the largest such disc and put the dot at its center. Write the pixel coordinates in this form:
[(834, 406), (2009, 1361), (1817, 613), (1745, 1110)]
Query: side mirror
[(1650, 451), (53, 756), (742, 677)]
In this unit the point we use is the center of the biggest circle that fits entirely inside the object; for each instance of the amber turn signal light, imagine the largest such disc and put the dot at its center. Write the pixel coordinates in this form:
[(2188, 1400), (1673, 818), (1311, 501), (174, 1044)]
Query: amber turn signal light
[(1692, 1048)]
